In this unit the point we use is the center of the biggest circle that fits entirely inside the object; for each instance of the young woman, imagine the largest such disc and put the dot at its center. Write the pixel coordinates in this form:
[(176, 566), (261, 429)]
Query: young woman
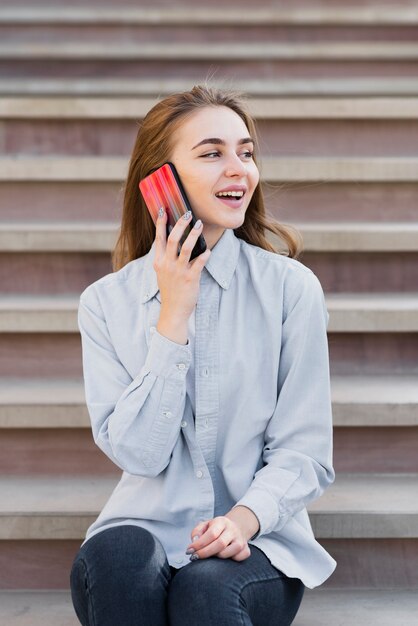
[(207, 382)]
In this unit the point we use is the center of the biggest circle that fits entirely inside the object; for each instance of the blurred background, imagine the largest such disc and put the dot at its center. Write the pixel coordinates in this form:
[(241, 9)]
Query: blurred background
[(333, 87)]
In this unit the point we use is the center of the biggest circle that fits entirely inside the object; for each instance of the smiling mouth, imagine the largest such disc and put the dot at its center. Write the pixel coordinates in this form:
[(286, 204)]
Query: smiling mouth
[(231, 198)]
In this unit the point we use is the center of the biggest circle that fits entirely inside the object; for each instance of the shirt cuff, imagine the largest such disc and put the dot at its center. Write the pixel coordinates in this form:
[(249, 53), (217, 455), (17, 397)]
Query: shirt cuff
[(264, 508), (167, 358)]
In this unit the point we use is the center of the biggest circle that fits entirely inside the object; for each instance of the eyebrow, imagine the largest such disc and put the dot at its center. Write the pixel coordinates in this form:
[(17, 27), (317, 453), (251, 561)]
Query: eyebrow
[(217, 140)]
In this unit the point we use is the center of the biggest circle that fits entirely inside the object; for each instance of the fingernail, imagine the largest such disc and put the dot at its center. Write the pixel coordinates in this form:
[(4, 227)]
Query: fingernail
[(187, 215), (198, 224), (161, 212), (190, 550), (194, 557), (196, 537)]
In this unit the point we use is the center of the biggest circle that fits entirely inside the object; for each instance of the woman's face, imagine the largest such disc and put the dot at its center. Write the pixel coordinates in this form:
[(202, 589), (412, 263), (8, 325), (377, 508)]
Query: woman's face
[(212, 152)]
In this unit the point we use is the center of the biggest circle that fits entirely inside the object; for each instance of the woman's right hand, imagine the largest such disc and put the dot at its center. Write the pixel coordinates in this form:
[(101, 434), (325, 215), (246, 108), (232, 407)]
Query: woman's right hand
[(178, 278)]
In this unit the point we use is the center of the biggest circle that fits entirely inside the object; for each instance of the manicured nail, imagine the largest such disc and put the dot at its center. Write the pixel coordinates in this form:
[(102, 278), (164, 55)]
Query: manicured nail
[(161, 212), (194, 557), (196, 537), (198, 224), (187, 215), (190, 550)]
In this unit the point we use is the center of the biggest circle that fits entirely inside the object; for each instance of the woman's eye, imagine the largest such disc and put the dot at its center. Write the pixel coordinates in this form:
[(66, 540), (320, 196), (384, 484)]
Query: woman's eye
[(216, 152)]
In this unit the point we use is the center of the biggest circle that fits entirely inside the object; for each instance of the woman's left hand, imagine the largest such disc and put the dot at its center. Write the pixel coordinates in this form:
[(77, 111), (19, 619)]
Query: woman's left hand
[(221, 537)]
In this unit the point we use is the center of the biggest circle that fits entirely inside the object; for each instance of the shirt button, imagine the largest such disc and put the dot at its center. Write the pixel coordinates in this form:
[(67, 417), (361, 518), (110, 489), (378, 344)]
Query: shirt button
[(178, 561), (168, 414), (183, 424), (181, 366), (199, 473), (152, 329)]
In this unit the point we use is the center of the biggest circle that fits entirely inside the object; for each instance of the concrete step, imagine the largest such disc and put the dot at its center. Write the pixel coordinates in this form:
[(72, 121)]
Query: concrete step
[(37, 608), (101, 236), (124, 108), (262, 87), (360, 607), (349, 313), (312, 51), (376, 401), (58, 236), (131, 15), (359, 236), (367, 506), (372, 401), (340, 271), (319, 607), (128, 51), (275, 169), (42, 403), (372, 312), (280, 137)]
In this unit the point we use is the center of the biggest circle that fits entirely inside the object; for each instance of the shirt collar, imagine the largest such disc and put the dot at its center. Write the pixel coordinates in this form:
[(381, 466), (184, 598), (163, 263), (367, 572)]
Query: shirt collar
[(221, 265)]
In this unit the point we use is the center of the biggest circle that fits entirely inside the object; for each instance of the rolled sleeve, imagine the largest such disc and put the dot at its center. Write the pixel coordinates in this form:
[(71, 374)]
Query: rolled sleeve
[(298, 439)]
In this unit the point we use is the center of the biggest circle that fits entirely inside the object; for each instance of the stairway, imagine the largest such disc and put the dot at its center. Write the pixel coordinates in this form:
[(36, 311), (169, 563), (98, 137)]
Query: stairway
[(334, 90)]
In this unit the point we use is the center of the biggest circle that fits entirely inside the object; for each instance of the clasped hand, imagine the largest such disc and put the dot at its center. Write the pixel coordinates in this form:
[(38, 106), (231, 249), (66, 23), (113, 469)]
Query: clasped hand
[(221, 537)]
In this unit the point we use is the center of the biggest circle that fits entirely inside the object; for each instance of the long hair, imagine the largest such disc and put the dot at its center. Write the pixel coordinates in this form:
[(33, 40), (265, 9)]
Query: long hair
[(153, 147)]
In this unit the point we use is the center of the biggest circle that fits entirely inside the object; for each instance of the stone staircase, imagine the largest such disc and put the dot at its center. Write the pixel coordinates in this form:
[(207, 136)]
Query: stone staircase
[(334, 90)]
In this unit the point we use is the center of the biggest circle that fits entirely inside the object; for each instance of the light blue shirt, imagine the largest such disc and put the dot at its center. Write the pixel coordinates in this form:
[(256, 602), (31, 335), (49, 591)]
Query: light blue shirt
[(240, 415)]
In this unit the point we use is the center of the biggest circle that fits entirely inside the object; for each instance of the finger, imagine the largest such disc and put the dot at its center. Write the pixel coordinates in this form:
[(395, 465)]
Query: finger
[(160, 233), (200, 261), (244, 554), (218, 546), (198, 530), (176, 235), (190, 242), (206, 541), (233, 549)]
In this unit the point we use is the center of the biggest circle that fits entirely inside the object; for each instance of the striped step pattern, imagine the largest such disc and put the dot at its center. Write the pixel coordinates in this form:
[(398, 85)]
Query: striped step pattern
[(333, 88), (360, 513)]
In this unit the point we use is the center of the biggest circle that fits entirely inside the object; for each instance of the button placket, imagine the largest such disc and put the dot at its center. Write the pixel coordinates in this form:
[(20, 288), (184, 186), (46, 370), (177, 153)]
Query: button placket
[(207, 372), (151, 319)]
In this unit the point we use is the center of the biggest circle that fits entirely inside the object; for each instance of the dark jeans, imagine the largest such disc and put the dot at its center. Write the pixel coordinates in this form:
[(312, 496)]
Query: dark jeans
[(121, 577)]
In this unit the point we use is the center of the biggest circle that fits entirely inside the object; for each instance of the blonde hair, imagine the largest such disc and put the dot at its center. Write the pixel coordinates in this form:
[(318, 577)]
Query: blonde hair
[(153, 147)]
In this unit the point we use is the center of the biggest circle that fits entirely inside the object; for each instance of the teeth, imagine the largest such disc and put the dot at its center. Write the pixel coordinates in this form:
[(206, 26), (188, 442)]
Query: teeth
[(234, 194)]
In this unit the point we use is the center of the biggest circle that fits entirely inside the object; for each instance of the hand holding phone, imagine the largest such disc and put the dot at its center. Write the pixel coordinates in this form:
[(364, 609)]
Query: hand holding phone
[(178, 277), (180, 249)]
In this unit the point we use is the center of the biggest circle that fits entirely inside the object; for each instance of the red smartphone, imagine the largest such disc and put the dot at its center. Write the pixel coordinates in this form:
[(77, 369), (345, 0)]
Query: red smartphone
[(163, 188)]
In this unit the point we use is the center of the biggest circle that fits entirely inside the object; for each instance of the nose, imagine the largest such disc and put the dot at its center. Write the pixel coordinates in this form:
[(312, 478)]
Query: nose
[(235, 167)]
